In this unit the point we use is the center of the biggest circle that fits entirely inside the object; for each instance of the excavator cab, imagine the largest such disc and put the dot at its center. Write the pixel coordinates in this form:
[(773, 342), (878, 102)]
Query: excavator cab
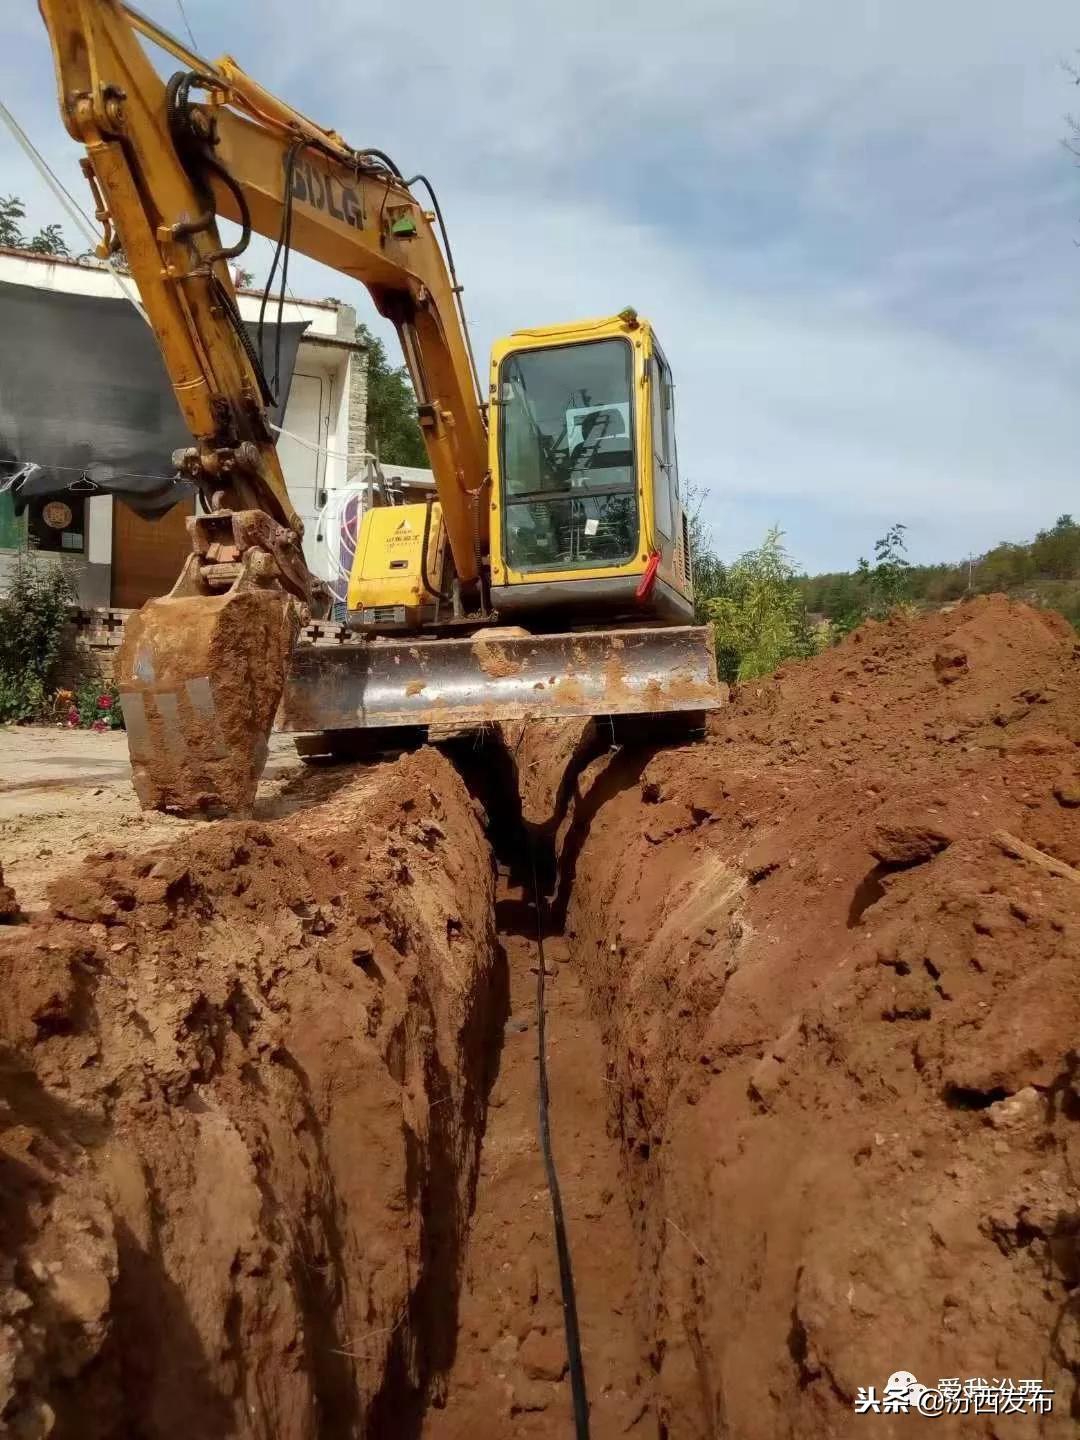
[(589, 604), (584, 521), (586, 518)]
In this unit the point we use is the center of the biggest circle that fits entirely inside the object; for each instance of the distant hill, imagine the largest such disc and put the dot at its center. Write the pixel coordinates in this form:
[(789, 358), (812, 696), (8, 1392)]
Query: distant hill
[(1046, 571)]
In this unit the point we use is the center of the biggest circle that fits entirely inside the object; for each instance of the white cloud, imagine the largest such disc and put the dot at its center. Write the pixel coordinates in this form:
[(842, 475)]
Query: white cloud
[(850, 416), (851, 223)]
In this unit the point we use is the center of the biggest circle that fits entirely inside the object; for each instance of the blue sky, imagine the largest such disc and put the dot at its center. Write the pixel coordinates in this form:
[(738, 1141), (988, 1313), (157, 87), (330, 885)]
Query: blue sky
[(853, 224)]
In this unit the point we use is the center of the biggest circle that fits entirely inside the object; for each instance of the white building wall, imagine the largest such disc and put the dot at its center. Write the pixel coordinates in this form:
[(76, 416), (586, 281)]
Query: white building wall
[(92, 582), (18, 267)]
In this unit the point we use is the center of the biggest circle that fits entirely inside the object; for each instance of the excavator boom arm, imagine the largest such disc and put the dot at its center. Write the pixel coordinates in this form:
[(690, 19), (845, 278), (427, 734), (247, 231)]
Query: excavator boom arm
[(202, 671), (164, 160)]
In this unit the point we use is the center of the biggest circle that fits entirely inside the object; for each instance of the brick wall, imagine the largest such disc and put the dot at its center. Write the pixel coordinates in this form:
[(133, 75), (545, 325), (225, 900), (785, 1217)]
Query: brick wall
[(92, 639)]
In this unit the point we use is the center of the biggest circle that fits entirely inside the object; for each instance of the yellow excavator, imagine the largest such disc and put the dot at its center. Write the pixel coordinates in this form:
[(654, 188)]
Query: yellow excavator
[(551, 575)]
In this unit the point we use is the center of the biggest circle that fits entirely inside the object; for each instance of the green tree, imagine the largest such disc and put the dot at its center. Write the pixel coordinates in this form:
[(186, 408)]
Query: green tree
[(886, 580), (49, 241), (706, 567), (392, 427), (1056, 552), (33, 612), (1002, 567), (1045, 570), (845, 603), (759, 618), (11, 212)]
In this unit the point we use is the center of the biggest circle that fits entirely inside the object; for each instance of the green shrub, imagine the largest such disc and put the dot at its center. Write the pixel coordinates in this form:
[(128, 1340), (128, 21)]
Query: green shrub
[(33, 613), (758, 616), (886, 580)]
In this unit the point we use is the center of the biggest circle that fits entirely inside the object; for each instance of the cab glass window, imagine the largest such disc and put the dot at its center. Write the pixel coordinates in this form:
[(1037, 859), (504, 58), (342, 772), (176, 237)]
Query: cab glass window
[(664, 463), (566, 448)]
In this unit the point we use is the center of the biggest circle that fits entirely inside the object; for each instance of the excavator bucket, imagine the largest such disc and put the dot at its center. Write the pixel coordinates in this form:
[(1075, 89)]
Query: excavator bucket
[(199, 679), (500, 676)]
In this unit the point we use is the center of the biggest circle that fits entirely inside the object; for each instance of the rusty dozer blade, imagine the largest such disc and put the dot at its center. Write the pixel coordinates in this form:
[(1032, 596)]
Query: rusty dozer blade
[(200, 677), (495, 676)]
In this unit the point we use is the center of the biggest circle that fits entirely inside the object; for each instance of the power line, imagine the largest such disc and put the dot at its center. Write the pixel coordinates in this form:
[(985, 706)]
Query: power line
[(187, 25), (117, 471), (78, 217), (45, 169)]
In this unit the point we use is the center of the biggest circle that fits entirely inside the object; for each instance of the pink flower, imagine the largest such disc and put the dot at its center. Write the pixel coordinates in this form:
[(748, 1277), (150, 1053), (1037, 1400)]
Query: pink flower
[(104, 702), (73, 716), (100, 725)]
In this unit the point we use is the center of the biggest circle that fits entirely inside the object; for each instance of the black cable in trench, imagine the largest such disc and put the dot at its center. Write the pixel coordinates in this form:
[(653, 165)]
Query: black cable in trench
[(562, 1246)]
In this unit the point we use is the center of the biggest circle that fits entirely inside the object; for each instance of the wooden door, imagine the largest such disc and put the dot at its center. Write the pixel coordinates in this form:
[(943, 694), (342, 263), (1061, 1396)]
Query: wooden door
[(147, 555)]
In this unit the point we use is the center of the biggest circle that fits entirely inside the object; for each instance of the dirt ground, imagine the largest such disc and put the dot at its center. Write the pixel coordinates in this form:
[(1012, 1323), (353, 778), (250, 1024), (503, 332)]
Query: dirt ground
[(835, 953), (510, 1365), (268, 1155), (243, 1077), (66, 792)]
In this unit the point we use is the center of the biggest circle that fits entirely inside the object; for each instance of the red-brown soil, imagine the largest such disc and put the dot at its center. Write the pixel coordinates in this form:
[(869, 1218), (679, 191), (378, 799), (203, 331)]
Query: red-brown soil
[(835, 952), (543, 753), (509, 1376), (9, 903), (200, 678), (813, 1028), (243, 1080)]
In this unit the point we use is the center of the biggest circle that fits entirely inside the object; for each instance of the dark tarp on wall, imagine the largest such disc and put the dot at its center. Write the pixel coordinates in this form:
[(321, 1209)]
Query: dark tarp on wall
[(84, 393)]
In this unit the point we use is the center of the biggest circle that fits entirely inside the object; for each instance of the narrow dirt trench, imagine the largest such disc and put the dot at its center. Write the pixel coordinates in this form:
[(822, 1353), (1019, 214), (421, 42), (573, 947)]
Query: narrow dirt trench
[(269, 1161), (509, 1374), (510, 1362)]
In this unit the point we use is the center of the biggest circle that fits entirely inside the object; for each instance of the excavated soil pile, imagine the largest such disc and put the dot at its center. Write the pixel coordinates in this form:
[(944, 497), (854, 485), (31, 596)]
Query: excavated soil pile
[(543, 754), (835, 953), (243, 1079)]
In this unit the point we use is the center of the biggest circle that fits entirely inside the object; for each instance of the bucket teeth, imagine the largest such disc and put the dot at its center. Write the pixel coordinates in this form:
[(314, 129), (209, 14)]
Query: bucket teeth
[(199, 679)]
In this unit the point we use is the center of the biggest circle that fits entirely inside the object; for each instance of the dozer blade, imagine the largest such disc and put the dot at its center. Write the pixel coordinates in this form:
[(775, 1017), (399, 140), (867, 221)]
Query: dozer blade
[(199, 679), (500, 677)]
